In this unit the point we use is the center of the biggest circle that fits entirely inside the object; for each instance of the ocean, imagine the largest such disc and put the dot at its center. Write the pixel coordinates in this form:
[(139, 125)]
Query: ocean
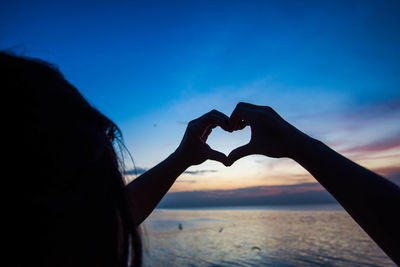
[(258, 236)]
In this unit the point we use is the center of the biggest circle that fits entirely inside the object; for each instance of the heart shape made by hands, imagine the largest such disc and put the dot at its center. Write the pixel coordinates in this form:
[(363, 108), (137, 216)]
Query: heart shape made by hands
[(226, 142)]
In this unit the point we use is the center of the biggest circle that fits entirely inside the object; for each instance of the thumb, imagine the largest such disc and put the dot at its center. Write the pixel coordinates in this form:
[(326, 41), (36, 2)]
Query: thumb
[(217, 156), (238, 153)]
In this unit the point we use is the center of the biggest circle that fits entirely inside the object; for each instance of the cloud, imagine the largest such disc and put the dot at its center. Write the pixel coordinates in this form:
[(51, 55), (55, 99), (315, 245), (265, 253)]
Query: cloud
[(136, 171), (394, 177), (379, 110), (186, 181), (199, 172), (182, 123), (383, 115), (377, 119), (306, 193), (389, 142), (391, 173), (365, 131), (139, 171)]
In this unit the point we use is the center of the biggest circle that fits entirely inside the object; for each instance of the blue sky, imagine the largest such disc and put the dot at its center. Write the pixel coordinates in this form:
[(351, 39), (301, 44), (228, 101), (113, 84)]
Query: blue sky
[(332, 68)]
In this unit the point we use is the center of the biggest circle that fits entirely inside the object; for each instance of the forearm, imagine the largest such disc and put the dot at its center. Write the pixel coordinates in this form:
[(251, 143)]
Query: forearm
[(371, 200), (146, 191)]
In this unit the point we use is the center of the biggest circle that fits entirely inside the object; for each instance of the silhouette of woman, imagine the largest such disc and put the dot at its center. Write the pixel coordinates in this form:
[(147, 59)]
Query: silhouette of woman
[(78, 211)]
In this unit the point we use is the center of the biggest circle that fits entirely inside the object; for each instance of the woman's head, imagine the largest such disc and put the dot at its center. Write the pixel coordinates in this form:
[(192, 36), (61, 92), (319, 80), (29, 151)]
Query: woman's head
[(78, 197)]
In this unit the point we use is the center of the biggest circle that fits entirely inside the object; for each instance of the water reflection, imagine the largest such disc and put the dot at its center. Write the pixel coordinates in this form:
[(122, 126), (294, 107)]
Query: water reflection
[(258, 237)]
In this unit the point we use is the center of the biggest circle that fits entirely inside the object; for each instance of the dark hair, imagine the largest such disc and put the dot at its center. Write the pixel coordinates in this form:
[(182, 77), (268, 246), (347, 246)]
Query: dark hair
[(77, 201)]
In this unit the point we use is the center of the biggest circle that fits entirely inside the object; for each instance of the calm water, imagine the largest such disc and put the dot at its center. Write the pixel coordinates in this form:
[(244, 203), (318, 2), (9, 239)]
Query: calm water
[(300, 236)]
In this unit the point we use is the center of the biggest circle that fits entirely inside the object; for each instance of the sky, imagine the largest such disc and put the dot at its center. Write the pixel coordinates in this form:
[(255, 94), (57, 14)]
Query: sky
[(331, 68)]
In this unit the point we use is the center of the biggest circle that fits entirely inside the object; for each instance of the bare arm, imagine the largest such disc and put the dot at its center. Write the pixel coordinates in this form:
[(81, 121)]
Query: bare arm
[(371, 200), (146, 191)]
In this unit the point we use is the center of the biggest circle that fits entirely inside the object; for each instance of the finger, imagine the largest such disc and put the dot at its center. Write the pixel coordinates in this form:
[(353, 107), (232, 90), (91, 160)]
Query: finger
[(217, 156), (243, 112), (241, 125), (240, 114), (207, 132), (215, 117), (225, 126), (238, 153)]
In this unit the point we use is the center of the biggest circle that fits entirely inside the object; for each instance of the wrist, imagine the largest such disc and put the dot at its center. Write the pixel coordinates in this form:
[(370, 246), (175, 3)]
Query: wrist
[(301, 145), (181, 159)]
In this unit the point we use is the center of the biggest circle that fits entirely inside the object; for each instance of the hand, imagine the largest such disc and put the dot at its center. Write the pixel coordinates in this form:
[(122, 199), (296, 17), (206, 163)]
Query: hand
[(193, 149), (271, 135)]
